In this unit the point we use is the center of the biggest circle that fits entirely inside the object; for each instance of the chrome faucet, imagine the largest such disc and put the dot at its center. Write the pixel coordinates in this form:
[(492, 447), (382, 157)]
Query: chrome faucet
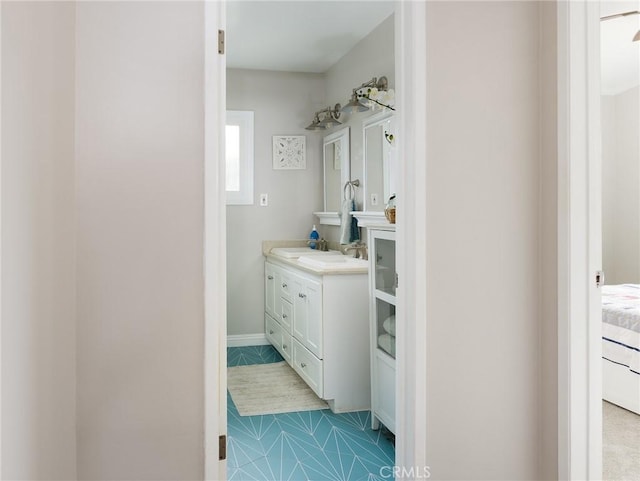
[(321, 244), (360, 250)]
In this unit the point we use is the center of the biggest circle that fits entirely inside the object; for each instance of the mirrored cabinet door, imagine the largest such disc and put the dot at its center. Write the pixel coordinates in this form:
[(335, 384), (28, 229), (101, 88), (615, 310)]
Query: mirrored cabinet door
[(379, 158), (336, 173), (332, 175)]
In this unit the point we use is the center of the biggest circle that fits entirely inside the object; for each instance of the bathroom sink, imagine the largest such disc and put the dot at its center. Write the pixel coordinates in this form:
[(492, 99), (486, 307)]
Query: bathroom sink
[(339, 262), (295, 252)]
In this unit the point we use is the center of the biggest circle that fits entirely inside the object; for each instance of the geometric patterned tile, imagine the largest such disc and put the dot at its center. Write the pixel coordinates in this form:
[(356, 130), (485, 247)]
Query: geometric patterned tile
[(243, 356), (309, 445)]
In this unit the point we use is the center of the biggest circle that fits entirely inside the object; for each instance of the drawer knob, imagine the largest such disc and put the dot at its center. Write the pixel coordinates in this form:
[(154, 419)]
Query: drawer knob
[(284, 286), (284, 316), (284, 346), (301, 295), (270, 278), (270, 331), (303, 365)]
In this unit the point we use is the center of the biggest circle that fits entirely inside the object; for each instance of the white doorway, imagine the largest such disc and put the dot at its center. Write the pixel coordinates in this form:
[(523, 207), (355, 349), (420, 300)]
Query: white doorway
[(620, 114), (579, 242), (410, 41)]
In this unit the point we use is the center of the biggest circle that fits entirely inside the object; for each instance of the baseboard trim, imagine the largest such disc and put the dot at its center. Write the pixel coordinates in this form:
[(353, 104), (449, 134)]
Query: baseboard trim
[(244, 340)]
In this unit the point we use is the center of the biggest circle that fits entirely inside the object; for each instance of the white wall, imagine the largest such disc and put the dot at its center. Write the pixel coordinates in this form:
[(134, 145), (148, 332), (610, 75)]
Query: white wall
[(372, 57), (38, 274), (609, 172), (620, 181), (283, 103), (139, 118), (483, 240), (548, 222)]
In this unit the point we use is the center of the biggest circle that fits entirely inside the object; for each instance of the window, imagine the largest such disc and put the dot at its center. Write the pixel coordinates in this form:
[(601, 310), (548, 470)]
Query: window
[(239, 157)]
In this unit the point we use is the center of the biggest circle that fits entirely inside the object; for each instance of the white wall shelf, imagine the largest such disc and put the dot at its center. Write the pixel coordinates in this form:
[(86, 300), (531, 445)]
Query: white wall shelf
[(373, 220), (328, 218)]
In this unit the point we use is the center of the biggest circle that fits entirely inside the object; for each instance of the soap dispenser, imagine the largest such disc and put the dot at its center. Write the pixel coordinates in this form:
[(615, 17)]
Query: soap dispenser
[(313, 238)]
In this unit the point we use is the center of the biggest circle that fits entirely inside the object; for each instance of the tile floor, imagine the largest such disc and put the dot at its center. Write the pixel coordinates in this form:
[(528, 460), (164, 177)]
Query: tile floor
[(309, 445)]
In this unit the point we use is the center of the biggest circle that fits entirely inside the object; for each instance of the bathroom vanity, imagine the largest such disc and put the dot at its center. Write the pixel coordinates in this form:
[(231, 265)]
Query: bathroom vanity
[(317, 317)]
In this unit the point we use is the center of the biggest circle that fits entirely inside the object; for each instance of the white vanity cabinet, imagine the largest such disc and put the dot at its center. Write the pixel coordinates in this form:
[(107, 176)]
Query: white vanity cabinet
[(319, 323), (382, 285)]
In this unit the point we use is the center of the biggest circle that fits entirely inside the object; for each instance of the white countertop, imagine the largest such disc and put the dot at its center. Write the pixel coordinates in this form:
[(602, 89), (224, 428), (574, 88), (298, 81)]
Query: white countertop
[(347, 268)]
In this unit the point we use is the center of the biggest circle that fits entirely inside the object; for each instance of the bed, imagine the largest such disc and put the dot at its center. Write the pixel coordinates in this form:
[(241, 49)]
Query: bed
[(621, 345)]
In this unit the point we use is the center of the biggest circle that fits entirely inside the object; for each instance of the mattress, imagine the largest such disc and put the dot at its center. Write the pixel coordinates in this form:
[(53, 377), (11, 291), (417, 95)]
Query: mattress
[(621, 325)]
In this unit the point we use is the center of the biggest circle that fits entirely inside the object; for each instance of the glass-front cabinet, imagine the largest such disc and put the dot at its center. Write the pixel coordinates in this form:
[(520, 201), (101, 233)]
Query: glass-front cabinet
[(383, 281)]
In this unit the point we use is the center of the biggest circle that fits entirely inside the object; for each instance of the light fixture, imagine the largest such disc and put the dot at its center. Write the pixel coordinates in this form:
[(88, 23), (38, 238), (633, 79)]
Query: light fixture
[(356, 103), (315, 125), (624, 14), (329, 119)]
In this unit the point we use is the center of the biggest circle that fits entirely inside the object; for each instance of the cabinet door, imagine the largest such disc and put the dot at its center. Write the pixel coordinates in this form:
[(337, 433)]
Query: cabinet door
[(300, 312), (314, 317), (307, 318), (384, 393), (270, 289)]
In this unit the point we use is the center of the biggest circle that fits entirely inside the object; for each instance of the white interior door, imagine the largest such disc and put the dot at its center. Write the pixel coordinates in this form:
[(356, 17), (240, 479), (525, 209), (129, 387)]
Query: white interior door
[(215, 268)]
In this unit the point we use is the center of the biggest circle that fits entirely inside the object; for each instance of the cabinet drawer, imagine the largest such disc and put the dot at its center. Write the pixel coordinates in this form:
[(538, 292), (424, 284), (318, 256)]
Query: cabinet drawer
[(284, 286), (287, 347), (273, 331), (286, 315), (276, 335), (308, 366)]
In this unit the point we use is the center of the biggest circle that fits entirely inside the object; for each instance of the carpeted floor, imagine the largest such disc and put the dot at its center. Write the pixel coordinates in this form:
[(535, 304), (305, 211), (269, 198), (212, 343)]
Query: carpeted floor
[(621, 444)]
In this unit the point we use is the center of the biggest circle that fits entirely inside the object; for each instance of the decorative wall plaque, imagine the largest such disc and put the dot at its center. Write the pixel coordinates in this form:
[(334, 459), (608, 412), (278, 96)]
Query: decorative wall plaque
[(289, 152)]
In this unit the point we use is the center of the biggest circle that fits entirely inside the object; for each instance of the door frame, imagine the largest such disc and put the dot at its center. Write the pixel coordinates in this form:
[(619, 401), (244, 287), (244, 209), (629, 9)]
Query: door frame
[(411, 253), (579, 242), (410, 50)]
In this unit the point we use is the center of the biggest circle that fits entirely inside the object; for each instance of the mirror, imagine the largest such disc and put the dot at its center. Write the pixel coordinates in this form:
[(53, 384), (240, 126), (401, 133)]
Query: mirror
[(379, 155), (335, 148)]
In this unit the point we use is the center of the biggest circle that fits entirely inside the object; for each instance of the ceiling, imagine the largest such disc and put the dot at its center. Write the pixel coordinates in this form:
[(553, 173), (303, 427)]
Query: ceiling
[(311, 36), (619, 56), (298, 36)]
